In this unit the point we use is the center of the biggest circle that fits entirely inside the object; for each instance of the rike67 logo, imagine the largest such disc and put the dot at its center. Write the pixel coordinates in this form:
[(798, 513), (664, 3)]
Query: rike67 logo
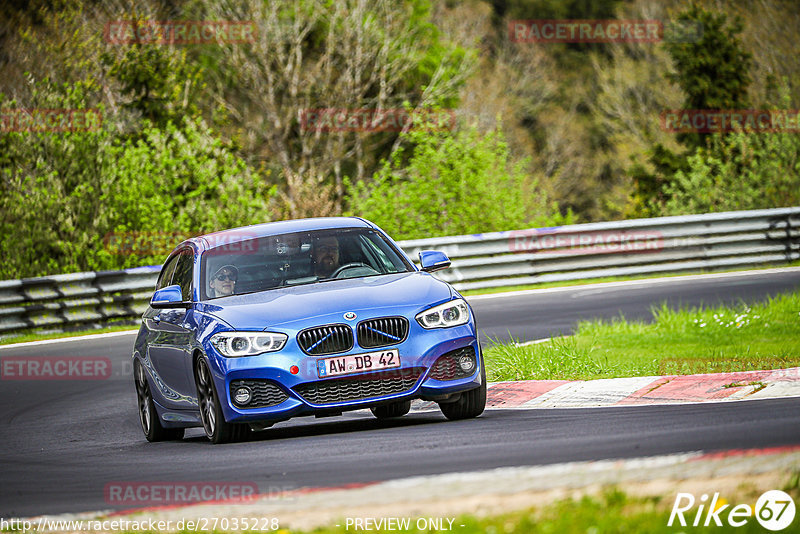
[(774, 510)]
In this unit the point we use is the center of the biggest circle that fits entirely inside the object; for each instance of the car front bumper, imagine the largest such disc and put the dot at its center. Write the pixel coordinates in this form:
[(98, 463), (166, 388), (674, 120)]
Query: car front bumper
[(306, 393)]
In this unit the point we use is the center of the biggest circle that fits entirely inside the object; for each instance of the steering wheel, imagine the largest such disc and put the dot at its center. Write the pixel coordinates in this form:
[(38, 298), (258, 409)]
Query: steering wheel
[(340, 270)]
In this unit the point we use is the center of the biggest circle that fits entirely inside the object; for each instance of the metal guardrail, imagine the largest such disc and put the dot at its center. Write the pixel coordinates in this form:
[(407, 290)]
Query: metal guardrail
[(65, 299), (582, 251), (622, 248)]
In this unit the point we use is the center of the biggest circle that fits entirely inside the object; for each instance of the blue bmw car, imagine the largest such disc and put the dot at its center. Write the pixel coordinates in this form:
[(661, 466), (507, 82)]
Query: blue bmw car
[(256, 325)]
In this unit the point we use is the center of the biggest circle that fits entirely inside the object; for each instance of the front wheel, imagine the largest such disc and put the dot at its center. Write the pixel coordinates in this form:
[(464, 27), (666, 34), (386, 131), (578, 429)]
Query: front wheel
[(148, 417), (470, 404), (217, 429)]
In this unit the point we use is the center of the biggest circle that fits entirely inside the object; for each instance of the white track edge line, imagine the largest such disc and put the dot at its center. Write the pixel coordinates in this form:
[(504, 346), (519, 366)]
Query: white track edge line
[(660, 280), (65, 339)]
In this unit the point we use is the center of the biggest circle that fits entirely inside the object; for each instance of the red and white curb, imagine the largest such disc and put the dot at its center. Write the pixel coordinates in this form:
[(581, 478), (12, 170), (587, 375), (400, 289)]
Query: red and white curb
[(646, 390)]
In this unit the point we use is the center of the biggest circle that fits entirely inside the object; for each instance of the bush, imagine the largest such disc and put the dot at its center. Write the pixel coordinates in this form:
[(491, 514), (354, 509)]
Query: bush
[(451, 183), (64, 192), (739, 171)]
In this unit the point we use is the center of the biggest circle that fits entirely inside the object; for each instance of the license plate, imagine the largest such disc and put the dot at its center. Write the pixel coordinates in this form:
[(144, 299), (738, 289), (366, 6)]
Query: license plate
[(356, 363)]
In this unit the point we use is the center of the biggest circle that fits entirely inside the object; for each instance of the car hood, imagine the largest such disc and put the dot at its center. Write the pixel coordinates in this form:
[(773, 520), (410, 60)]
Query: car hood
[(328, 301)]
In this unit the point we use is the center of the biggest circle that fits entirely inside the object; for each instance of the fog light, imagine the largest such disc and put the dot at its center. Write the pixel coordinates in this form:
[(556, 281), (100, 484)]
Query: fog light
[(242, 395), (467, 363)]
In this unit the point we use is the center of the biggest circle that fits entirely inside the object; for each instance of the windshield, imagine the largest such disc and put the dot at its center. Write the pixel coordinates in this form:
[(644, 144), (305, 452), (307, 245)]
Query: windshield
[(296, 259)]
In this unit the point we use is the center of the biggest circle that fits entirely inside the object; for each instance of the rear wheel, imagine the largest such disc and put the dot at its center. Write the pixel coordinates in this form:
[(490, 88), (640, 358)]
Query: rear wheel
[(470, 404), (148, 417), (217, 429), (395, 409)]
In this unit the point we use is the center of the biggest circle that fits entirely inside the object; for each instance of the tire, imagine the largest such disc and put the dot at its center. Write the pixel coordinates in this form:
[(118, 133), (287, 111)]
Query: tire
[(217, 429), (148, 417), (470, 404), (395, 409)]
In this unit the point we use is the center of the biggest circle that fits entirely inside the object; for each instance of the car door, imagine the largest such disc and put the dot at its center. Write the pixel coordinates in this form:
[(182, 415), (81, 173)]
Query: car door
[(172, 329)]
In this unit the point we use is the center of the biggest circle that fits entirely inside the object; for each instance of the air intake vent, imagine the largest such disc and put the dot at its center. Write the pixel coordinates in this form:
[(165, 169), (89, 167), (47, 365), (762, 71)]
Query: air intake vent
[(265, 393), (360, 387), (447, 367), (328, 339), (382, 332)]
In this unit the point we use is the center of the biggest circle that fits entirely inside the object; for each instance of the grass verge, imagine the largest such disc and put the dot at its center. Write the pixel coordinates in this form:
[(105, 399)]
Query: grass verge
[(686, 341)]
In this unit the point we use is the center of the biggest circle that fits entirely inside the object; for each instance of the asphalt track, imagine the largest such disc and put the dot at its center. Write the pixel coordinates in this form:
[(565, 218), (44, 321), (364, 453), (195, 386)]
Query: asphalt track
[(63, 441)]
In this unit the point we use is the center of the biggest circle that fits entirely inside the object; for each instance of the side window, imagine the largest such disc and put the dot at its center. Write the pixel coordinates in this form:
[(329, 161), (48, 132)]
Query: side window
[(375, 251), (183, 272), (165, 278)]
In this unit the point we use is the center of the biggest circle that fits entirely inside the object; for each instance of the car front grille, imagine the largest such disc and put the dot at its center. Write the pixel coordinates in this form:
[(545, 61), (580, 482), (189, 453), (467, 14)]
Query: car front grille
[(265, 393), (447, 367), (328, 339), (382, 332), (359, 387)]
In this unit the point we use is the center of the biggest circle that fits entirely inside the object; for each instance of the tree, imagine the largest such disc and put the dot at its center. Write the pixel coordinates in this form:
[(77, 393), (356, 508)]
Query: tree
[(738, 171), (63, 193), (713, 72), (353, 54)]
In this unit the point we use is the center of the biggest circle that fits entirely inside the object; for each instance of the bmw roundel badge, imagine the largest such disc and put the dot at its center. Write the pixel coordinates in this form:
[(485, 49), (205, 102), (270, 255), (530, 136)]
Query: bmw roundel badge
[(350, 316)]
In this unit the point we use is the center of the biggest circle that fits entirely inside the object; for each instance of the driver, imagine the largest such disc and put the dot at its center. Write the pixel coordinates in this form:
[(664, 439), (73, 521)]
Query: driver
[(326, 256), (223, 282)]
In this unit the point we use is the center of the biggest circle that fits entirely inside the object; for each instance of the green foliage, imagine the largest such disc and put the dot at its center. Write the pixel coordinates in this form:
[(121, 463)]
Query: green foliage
[(713, 71), (651, 188), (451, 183), (155, 167), (156, 84), (719, 339), (64, 192)]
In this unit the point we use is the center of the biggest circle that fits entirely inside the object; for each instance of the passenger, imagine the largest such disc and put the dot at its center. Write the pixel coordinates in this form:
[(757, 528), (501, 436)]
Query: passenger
[(223, 283)]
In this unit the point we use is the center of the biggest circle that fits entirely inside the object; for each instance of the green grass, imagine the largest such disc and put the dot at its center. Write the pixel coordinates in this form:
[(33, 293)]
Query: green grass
[(687, 341), (587, 281)]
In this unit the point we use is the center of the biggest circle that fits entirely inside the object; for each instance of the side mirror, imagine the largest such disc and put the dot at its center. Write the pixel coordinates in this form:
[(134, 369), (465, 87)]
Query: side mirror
[(168, 297), (433, 260)]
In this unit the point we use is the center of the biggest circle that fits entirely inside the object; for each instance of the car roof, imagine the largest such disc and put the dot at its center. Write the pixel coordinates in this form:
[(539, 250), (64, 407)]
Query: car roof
[(243, 233)]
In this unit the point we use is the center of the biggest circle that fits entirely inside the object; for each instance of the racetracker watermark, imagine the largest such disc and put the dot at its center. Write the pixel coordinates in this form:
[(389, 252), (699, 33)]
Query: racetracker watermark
[(170, 493), (162, 243), (547, 241), (142, 524), (730, 120), (774, 510), (55, 368), (179, 32), (375, 120), (603, 31), (39, 120), (388, 524)]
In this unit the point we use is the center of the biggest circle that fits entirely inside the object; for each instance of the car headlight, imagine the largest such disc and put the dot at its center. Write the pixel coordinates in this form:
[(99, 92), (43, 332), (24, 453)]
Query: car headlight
[(451, 313), (236, 344)]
